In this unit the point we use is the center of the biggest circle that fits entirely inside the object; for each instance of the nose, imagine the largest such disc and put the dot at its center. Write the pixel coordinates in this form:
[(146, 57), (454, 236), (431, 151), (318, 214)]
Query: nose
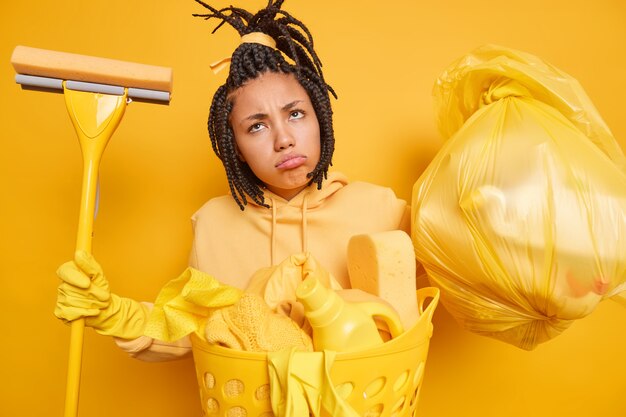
[(283, 138)]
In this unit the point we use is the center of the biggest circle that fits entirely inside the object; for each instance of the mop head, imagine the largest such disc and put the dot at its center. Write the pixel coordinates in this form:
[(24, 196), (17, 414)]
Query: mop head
[(41, 68)]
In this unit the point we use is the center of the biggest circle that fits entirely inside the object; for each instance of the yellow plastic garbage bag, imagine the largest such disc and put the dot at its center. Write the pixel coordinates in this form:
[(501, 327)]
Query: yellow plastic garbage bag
[(520, 219)]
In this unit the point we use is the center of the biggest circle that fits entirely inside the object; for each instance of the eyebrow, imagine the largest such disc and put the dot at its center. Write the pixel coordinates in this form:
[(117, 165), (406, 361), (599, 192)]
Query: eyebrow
[(291, 105), (261, 116)]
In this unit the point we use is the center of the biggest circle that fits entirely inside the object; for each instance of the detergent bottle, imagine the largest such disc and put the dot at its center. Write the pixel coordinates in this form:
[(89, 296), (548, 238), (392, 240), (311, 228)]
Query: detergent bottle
[(340, 325)]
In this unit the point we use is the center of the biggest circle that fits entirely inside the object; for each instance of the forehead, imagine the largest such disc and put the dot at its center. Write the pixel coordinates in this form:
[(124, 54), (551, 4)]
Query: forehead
[(268, 89)]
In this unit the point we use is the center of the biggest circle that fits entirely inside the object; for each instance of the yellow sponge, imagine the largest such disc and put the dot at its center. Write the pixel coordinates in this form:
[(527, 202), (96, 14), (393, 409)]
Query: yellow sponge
[(384, 264)]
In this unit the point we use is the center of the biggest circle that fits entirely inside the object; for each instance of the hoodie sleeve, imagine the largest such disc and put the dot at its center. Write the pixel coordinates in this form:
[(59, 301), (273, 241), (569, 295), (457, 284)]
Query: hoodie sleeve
[(148, 349), (384, 210), (396, 210)]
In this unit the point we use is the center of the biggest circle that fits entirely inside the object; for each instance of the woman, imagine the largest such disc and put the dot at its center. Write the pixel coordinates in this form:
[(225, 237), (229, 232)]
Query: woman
[(271, 126)]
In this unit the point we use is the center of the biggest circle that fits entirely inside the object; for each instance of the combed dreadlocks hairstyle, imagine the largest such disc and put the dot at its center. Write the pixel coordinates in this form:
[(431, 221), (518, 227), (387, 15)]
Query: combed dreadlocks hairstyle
[(249, 61)]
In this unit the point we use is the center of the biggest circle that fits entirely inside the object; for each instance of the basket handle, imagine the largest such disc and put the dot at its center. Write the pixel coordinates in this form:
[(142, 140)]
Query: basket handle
[(423, 296)]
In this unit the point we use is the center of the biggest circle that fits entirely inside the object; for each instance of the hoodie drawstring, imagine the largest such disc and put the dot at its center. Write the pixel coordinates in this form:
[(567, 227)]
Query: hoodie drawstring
[(273, 232), (305, 208), (304, 223)]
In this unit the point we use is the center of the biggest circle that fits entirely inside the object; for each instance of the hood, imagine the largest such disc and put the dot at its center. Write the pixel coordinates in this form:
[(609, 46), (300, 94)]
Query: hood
[(308, 198)]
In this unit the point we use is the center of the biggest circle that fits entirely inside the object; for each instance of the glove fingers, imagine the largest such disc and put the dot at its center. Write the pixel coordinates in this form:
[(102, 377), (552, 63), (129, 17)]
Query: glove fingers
[(88, 263), (93, 294), (70, 313), (100, 281), (70, 273), (71, 299)]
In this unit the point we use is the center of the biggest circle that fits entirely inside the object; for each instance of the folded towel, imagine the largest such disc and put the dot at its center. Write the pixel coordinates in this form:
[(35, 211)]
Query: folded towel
[(250, 325)]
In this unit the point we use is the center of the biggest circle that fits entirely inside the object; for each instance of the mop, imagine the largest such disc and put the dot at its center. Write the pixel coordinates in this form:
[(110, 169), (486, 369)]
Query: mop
[(97, 91)]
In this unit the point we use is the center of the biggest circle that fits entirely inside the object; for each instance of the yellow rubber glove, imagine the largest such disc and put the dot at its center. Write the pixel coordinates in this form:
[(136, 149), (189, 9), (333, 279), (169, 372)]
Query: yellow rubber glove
[(301, 385), (84, 292)]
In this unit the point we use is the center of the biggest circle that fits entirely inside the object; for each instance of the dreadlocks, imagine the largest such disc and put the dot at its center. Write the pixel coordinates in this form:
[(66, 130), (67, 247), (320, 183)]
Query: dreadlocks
[(249, 61)]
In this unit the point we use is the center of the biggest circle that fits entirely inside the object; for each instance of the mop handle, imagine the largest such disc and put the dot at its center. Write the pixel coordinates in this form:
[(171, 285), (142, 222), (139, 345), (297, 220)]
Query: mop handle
[(83, 243), (96, 110), (95, 117)]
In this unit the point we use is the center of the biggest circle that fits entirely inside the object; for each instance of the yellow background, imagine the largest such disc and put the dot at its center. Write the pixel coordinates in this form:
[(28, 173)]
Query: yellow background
[(382, 58)]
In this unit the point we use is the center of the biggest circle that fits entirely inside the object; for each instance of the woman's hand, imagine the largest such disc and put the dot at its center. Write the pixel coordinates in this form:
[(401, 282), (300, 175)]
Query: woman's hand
[(85, 293)]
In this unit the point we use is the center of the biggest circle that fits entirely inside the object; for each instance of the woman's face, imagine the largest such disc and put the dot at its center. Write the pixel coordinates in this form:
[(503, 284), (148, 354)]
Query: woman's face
[(276, 131)]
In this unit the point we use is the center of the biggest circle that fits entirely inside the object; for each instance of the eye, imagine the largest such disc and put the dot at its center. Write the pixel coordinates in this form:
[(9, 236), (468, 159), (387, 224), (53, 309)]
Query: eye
[(296, 114), (255, 127)]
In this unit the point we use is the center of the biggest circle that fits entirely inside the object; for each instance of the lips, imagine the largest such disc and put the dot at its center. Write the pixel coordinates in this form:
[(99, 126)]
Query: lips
[(291, 161)]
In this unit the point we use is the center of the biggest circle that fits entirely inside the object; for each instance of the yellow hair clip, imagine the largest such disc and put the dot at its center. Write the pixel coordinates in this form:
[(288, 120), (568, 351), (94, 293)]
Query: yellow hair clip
[(254, 37)]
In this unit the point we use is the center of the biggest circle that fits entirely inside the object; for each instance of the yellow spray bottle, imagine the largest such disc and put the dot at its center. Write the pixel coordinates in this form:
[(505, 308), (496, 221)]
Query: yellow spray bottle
[(340, 325)]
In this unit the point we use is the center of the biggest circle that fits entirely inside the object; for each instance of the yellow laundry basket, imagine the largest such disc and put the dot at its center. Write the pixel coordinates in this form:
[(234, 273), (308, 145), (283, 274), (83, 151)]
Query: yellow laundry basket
[(383, 381)]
